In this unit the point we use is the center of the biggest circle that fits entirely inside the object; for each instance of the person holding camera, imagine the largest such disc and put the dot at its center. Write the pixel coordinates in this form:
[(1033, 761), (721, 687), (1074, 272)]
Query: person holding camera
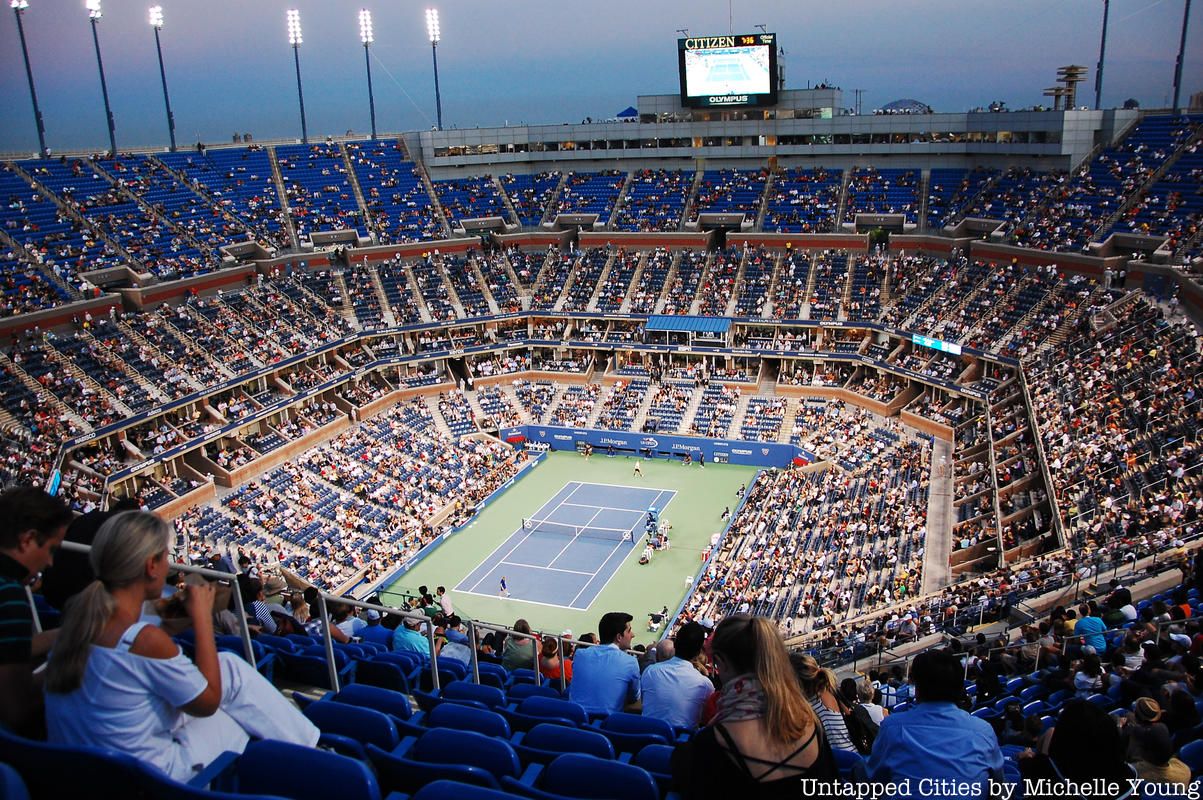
[(117, 681)]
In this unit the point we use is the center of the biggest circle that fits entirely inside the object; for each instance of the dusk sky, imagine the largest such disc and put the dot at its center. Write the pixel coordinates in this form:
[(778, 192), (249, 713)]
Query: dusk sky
[(230, 67)]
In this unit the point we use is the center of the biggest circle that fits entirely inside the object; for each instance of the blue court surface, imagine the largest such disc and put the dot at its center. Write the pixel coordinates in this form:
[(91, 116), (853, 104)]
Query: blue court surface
[(571, 547)]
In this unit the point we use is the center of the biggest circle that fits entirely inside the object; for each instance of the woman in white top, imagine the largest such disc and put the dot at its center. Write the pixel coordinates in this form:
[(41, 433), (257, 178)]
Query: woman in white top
[(118, 682)]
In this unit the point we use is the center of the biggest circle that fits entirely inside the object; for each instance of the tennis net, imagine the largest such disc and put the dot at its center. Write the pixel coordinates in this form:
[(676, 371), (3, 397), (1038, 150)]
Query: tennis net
[(583, 531)]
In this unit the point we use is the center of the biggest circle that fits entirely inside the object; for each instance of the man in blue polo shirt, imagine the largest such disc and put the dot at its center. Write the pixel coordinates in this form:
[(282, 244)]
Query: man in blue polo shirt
[(935, 739), (604, 677), (674, 690)]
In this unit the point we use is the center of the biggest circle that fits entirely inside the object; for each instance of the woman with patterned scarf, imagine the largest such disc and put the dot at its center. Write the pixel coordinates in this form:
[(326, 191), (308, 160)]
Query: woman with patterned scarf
[(765, 739)]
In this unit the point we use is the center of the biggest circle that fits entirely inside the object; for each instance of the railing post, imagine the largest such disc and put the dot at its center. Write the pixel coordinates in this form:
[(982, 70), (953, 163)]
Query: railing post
[(434, 657), (244, 632), (327, 640), (475, 659)]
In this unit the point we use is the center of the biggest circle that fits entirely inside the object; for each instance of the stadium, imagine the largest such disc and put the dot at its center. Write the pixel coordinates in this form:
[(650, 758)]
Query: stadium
[(905, 389)]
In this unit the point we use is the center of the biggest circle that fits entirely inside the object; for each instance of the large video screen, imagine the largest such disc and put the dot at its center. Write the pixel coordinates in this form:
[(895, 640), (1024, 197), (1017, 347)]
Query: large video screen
[(728, 71)]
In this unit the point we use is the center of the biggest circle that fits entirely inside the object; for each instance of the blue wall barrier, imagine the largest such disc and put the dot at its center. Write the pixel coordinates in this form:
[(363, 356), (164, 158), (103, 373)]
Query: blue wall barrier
[(734, 451)]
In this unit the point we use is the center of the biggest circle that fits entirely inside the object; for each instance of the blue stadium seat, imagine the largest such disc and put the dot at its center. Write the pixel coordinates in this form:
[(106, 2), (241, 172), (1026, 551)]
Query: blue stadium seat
[(383, 675), (630, 733), (846, 761), (521, 691), (1192, 756), (361, 725), (490, 696), (443, 789), (542, 743), (466, 718), (95, 773), (447, 746), (303, 773), (539, 706), (401, 774), (389, 702), (657, 760), (582, 776), (12, 787)]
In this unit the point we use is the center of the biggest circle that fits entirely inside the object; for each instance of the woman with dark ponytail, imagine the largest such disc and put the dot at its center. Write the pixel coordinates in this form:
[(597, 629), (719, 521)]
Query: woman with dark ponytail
[(765, 738), (117, 682)]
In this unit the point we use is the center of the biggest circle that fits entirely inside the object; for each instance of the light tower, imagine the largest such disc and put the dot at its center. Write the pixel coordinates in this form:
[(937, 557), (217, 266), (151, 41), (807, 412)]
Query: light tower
[(94, 14), (294, 39), (365, 36), (432, 29), (19, 6), (156, 22)]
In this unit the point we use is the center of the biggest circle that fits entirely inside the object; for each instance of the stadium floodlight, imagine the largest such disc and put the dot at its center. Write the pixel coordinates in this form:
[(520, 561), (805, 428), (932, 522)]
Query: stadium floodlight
[(156, 22), (94, 14), (294, 39), (19, 6), (1098, 73), (365, 36), (1181, 55), (435, 34)]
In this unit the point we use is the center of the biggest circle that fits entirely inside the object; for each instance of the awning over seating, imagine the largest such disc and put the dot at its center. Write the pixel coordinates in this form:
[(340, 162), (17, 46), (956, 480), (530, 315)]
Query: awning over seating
[(712, 326)]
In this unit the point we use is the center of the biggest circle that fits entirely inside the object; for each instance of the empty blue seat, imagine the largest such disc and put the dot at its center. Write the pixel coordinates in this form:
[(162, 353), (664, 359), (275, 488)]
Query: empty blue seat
[(846, 761), (442, 790), (491, 696), (544, 742), (12, 787), (521, 691), (382, 674), (578, 775), (447, 746), (1192, 756), (630, 733), (303, 773), (400, 774), (538, 706), (657, 760), (466, 718), (384, 700), (362, 725)]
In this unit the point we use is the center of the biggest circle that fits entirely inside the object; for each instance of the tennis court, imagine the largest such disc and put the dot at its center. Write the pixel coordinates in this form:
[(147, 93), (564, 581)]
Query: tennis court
[(571, 547), (693, 500)]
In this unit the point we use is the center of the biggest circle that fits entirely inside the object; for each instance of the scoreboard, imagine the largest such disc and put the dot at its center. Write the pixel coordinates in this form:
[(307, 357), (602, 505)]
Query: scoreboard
[(728, 71)]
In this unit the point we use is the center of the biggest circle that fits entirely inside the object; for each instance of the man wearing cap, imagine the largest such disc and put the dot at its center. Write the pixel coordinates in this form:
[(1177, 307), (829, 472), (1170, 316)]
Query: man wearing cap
[(407, 639), (375, 633), (673, 690)]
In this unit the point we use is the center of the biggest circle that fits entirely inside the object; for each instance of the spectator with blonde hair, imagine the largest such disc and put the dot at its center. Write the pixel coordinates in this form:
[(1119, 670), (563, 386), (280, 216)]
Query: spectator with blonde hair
[(118, 682), (765, 739), (819, 687)]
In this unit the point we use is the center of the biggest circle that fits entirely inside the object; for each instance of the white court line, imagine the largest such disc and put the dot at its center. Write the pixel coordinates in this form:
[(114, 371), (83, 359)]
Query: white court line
[(503, 558), (520, 600), (605, 561), (671, 495), (553, 569)]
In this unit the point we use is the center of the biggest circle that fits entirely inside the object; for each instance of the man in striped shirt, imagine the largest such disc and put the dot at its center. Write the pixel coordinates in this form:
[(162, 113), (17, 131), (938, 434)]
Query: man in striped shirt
[(32, 526)]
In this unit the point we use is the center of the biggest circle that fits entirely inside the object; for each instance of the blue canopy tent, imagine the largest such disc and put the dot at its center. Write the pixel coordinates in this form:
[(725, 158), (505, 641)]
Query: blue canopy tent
[(688, 330)]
